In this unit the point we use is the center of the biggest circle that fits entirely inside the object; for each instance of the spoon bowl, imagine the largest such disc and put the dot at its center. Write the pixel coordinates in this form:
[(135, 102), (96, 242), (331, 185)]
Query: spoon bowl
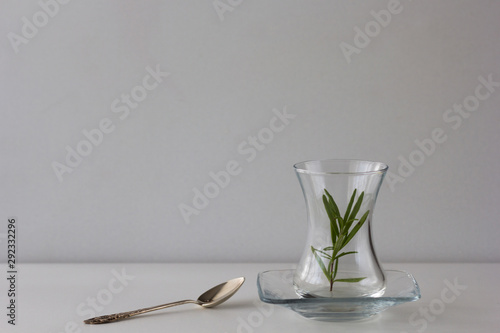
[(220, 293)]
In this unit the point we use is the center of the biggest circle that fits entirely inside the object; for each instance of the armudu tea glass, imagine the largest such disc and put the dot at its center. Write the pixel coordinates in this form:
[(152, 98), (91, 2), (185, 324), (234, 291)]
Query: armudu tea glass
[(339, 258)]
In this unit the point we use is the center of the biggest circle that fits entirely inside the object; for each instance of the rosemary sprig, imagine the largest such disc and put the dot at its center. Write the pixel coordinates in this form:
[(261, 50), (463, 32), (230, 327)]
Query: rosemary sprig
[(341, 234)]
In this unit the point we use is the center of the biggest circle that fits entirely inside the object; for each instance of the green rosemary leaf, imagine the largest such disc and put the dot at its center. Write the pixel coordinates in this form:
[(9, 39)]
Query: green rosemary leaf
[(328, 209), (321, 264), (349, 224), (335, 209), (344, 254), (350, 280), (335, 272), (324, 254), (357, 206), (334, 231), (356, 228), (339, 244), (349, 206), (341, 223), (331, 215), (334, 205)]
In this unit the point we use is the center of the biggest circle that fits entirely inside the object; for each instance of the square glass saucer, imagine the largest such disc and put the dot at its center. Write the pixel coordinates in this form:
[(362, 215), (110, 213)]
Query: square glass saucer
[(276, 287)]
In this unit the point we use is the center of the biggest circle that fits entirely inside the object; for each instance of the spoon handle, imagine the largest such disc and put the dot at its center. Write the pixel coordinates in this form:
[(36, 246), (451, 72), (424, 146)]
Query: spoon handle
[(124, 315)]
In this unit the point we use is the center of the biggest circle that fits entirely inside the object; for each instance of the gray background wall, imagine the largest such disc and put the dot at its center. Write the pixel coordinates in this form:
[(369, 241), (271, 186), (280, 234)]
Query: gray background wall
[(67, 68)]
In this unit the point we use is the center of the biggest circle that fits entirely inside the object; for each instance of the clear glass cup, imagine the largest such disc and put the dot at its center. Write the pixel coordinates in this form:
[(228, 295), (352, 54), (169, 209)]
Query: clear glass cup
[(339, 259)]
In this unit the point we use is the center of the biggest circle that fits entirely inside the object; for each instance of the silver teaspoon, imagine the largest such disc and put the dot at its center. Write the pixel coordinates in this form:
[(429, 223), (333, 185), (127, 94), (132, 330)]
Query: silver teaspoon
[(208, 299)]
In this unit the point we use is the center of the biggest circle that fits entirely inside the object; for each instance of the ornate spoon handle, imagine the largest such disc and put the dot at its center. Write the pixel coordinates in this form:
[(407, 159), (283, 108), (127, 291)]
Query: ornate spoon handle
[(124, 315)]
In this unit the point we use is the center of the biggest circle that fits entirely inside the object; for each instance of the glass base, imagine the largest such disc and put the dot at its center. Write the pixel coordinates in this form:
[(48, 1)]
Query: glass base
[(371, 286), (338, 293)]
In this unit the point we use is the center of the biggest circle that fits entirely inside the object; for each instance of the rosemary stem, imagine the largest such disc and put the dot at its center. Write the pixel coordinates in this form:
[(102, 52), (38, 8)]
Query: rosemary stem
[(332, 277)]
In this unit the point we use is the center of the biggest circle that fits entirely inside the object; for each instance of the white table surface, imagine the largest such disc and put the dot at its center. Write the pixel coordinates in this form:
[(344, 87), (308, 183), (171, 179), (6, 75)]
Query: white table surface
[(56, 298)]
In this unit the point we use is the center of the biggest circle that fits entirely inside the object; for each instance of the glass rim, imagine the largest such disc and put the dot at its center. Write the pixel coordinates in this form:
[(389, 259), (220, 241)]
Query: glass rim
[(300, 167)]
